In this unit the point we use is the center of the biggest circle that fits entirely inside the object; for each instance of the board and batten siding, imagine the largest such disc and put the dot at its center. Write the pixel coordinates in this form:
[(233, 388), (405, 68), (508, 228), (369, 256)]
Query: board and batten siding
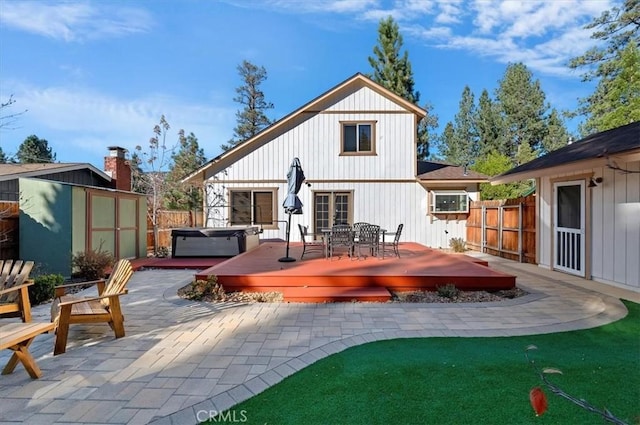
[(613, 225), (384, 187)]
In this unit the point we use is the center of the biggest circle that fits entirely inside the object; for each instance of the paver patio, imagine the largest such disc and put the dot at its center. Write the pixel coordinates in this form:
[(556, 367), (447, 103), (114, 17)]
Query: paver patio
[(180, 357)]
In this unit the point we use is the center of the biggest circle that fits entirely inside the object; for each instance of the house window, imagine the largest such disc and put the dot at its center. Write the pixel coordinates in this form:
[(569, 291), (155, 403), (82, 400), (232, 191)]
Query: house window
[(252, 207), (358, 138), (449, 202)]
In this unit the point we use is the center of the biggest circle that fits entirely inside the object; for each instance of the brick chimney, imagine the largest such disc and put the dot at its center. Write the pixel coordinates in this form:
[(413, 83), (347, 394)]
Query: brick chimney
[(118, 167)]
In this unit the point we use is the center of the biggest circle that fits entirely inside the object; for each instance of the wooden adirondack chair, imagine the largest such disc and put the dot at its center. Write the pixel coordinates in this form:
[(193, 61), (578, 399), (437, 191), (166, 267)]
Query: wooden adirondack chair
[(17, 336), (15, 303), (105, 307)]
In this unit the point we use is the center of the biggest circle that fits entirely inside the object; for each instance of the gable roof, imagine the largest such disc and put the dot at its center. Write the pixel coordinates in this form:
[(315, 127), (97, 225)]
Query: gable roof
[(14, 171), (592, 151), (435, 170), (244, 148)]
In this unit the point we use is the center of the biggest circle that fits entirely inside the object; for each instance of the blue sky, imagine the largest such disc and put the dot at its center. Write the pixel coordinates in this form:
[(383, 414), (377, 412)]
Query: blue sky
[(93, 74)]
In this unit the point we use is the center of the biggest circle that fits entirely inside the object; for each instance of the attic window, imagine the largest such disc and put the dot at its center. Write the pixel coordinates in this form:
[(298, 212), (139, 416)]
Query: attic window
[(358, 138), (449, 202)]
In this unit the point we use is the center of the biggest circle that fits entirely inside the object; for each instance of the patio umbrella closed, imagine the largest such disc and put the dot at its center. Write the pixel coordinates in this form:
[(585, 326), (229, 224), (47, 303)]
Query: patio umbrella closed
[(292, 204)]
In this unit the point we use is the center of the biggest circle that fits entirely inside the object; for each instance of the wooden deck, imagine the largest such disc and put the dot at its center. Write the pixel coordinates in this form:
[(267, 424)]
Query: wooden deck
[(316, 279)]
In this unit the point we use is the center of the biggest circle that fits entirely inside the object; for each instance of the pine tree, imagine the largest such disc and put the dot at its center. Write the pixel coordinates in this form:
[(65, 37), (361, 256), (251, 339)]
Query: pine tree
[(489, 126), (556, 135), (614, 64), (188, 158), (427, 136), (523, 109), (465, 134), (391, 68), (616, 100), (35, 150), (251, 119), (3, 157)]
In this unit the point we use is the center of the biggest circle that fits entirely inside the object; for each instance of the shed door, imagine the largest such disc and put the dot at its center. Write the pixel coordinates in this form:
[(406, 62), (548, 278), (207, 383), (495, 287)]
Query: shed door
[(569, 227), (114, 224)]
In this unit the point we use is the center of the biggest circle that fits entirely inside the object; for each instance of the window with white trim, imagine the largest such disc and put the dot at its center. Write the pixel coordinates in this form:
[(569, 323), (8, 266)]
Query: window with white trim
[(449, 202), (358, 138), (248, 207)]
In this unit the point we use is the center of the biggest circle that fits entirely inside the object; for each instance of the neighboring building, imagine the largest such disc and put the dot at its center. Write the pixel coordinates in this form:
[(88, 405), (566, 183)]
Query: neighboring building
[(588, 206), (71, 208), (117, 174), (357, 146)]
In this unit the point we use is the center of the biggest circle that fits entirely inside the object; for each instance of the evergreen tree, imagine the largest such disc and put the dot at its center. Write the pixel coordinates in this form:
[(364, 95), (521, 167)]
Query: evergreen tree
[(35, 150), (523, 109), (251, 119), (187, 159), (489, 126), (618, 27), (427, 136), (465, 136), (556, 135), (614, 64), (446, 143), (391, 68), (3, 157), (616, 100)]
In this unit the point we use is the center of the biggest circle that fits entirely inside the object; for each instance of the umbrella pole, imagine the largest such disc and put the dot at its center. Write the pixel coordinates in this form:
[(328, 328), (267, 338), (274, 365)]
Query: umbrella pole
[(286, 258)]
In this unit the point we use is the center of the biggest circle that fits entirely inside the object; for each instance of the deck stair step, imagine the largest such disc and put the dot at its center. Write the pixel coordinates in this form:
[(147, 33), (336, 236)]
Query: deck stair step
[(315, 294)]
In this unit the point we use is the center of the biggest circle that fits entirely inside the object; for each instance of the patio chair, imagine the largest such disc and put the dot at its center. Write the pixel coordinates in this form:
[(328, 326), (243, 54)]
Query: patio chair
[(308, 243), (392, 246), (369, 238), (341, 236), (356, 229), (105, 307), (15, 303)]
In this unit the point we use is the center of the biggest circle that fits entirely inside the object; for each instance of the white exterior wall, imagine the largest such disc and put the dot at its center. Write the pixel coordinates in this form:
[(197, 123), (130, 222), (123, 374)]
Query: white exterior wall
[(613, 228), (384, 187)]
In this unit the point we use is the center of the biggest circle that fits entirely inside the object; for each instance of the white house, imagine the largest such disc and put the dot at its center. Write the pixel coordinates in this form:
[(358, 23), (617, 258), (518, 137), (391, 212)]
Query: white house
[(588, 206), (357, 147)]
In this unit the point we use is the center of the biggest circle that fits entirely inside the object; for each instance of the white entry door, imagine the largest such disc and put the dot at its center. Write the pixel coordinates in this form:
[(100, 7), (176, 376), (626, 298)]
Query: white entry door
[(569, 227)]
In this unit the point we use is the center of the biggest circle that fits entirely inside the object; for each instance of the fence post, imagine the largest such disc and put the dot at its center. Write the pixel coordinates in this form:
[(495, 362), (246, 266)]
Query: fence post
[(520, 253), (483, 229)]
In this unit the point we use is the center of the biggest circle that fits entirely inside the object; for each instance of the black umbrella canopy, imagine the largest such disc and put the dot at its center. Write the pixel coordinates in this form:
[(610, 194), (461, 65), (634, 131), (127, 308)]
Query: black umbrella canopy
[(295, 178)]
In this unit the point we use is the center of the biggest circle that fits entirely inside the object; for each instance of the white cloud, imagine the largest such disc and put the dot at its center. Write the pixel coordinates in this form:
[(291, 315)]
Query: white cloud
[(91, 120), (74, 21)]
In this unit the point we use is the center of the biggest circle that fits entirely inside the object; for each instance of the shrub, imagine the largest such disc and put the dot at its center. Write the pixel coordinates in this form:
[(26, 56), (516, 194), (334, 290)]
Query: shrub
[(457, 244), (205, 289), (43, 287), (448, 291), (91, 265)]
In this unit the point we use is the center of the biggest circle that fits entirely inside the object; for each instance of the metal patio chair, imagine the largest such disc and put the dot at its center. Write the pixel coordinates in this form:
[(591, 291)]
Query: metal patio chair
[(341, 236), (308, 243)]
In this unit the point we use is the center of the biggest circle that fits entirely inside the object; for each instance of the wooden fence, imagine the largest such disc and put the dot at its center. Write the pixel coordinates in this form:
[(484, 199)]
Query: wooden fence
[(9, 213), (506, 228), (168, 220)]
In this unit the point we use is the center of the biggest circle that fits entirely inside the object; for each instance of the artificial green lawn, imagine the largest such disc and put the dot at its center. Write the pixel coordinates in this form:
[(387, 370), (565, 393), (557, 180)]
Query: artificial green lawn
[(461, 381)]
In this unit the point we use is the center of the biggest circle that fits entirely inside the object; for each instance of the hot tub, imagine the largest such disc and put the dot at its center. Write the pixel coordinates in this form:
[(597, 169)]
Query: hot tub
[(213, 241)]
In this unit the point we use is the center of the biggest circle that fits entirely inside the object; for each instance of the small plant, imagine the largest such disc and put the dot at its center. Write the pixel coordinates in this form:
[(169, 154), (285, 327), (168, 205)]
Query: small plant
[(205, 289), (92, 264), (42, 289), (448, 291), (457, 244), (163, 252), (538, 398)]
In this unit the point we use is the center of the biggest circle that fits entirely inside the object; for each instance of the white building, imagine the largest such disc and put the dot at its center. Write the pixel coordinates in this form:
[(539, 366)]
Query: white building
[(588, 206), (357, 146)]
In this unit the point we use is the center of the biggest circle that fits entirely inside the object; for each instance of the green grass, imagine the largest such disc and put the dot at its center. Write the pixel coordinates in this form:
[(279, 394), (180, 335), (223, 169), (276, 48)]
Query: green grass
[(461, 381)]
